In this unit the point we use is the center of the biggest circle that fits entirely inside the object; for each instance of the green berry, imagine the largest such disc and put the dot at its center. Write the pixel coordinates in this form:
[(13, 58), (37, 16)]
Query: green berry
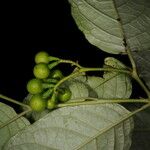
[(34, 86), (37, 103), (41, 71), (50, 104), (42, 57), (56, 74), (64, 95)]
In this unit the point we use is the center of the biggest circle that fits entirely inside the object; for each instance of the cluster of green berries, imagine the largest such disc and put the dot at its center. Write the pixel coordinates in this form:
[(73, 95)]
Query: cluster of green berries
[(42, 86)]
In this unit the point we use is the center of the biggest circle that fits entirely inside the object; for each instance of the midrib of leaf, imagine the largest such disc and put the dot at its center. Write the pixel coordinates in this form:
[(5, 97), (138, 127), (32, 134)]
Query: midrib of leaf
[(133, 52), (121, 24), (112, 126), (99, 11), (106, 80)]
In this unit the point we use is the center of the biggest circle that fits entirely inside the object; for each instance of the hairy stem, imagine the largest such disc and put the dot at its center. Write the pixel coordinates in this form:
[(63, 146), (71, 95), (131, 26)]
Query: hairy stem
[(70, 62), (136, 77), (83, 69), (105, 69), (94, 101), (135, 74), (14, 101), (131, 60)]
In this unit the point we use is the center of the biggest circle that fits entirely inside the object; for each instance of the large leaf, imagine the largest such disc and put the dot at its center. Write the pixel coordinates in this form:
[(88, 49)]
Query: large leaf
[(98, 19), (6, 113), (78, 127)]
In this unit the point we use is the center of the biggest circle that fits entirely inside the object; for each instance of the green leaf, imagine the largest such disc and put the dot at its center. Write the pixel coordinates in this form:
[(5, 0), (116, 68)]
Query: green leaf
[(79, 127), (98, 21), (102, 29), (6, 113), (78, 88), (111, 85)]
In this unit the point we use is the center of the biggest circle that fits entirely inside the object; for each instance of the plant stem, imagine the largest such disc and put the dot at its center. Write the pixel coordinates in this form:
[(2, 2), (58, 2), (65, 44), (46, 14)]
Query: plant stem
[(131, 60), (14, 118), (70, 62), (52, 58), (135, 74), (94, 101), (105, 69), (136, 77), (83, 69), (14, 101), (65, 78)]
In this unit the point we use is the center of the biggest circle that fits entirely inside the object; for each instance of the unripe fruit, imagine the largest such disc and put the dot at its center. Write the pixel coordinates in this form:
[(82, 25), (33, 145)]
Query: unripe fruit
[(34, 86), (42, 57), (56, 74), (64, 95), (41, 71), (51, 104), (37, 103)]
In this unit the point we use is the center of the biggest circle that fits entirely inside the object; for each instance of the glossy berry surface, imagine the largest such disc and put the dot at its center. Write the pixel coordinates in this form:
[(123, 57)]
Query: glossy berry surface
[(56, 74), (34, 86), (37, 103), (51, 104), (41, 71), (64, 95), (42, 57)]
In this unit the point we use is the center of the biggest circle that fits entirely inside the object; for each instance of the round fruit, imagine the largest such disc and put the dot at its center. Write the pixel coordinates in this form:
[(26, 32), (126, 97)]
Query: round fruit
[(34, 86), (51, 104), (37, 103), (41, 71), (56, 74), (64, 95), (42, 57)]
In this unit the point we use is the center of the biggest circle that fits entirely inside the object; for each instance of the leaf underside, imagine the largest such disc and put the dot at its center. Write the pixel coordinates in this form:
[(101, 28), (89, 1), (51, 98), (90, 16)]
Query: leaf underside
[(99, 20), (77, 127)]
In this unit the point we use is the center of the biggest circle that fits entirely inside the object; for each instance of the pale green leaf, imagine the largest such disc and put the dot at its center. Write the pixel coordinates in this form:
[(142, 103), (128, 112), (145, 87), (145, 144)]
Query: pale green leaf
[(6, 113), (111, 85), (78, 127), (78, 88), (98, 21)]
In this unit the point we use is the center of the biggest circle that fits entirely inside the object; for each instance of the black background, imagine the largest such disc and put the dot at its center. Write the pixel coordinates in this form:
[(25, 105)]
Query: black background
[(29, 28)]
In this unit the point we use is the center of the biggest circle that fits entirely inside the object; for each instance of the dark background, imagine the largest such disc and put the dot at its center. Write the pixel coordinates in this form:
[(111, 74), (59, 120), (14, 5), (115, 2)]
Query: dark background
[(29, 28)]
